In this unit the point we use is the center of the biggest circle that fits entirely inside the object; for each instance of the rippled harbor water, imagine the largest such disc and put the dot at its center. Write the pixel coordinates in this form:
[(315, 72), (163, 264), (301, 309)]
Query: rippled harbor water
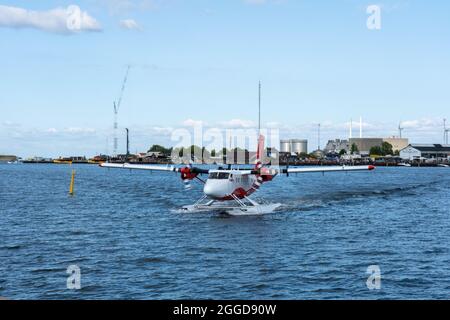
[(124, 233)]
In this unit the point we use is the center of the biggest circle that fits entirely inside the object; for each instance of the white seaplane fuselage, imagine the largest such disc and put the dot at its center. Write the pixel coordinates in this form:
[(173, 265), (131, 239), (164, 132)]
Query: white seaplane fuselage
[(222, 184)]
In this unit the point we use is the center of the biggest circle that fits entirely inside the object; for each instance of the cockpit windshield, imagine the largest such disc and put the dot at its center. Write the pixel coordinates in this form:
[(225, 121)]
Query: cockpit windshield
[(219, 175)]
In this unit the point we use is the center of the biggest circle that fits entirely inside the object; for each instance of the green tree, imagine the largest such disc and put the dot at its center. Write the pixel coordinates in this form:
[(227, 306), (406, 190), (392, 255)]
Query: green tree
[(376, 150), (342, 152), (312, 155), (158, 148), (303, 155), (354, 149), (386, 148)]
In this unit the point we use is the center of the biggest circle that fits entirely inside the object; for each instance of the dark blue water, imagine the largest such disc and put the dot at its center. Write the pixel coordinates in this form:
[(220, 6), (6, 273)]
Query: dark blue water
[(124, 233)]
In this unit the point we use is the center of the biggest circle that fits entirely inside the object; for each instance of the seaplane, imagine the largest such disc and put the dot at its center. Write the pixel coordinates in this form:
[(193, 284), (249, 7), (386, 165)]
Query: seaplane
[(228, 190)]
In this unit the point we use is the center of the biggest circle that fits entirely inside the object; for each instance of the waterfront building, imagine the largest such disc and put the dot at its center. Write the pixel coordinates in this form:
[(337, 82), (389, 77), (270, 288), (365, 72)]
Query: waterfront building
[(7, 158), (425, 151), (365, 144), (335, 146), (397, 143)]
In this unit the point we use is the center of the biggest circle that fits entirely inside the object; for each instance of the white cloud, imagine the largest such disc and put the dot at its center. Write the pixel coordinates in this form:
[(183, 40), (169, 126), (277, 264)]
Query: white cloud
[(10, 124), (121, 6), (238, 123), (59, 20), (193, 123), (52, 130), (129, 24), (78, 130), (163, 130)]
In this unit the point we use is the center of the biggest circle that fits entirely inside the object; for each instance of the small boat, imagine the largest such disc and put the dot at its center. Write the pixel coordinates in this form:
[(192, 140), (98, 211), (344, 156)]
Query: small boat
[(63, 161), (404, 164), (442, 165), (91, 161)]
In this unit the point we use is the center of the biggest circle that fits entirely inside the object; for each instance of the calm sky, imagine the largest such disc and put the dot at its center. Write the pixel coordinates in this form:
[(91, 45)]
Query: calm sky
[(198, 61)]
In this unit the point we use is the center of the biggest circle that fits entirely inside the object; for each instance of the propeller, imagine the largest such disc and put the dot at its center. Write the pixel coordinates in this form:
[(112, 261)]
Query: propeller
[(187, 185), (190, 173), (187, 176)]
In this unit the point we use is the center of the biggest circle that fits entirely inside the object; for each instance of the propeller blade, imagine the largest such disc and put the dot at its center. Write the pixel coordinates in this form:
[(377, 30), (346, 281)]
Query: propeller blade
[(187, 184)]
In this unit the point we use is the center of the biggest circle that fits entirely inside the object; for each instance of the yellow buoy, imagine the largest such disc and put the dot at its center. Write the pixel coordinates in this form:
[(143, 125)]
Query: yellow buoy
[(72, 182)]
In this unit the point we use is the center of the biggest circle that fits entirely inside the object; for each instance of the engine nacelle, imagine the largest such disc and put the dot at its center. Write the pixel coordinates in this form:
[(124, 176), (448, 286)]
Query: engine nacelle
[(267, 174), (187, 174)]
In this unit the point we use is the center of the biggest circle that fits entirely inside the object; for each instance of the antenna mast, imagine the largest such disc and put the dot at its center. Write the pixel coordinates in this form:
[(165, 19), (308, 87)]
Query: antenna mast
[(259, 108), (351, 127), (128, 145), (318, 137), (116, 110), (445, 132)]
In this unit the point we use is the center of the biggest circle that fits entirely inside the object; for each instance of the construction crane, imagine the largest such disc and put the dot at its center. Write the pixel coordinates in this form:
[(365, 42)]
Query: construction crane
[(445, 132), (116, 110)]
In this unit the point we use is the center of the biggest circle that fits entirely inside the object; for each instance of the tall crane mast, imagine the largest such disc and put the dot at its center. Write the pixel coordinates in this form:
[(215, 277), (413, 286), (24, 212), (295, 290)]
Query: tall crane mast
[(116, 110)]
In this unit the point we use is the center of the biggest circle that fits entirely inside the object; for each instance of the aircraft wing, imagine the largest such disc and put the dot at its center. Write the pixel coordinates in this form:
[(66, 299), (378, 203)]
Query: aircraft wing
[(327, 169), (151, 167)]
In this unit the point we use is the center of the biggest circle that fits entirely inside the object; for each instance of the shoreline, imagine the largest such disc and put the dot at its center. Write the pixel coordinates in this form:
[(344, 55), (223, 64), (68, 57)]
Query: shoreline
[(302, 164)]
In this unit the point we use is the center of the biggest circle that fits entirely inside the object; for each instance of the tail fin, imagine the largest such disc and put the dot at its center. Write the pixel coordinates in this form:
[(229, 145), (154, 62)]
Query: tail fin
[(260, 152)]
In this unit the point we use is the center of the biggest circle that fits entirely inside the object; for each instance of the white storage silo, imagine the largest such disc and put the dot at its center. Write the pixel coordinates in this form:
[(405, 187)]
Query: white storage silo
[(285, 146), (299, 146)]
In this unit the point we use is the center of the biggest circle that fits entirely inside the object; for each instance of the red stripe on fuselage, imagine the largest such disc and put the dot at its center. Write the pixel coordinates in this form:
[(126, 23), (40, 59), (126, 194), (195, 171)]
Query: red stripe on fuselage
[(240, 193)]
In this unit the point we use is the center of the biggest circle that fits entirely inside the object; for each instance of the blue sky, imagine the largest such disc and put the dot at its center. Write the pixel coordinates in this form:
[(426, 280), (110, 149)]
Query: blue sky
[(201, 60)]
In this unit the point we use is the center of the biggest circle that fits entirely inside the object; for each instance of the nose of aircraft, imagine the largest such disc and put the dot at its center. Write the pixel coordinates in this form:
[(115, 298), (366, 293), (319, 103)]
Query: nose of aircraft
[(213, 190)]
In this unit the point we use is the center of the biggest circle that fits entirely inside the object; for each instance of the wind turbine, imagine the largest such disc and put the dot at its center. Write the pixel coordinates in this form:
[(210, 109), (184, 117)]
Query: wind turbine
[(116, 110), (400, 129)]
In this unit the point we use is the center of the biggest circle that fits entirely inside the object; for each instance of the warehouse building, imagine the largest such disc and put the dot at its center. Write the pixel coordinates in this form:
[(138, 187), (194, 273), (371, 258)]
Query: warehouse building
[(425, 151), (7, 158), (397, 143), (365, 144)]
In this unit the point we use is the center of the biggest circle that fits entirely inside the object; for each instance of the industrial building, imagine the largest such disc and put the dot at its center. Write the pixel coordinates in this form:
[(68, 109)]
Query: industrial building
[(365, 144), (294, 146), (7, 158), (335, 146), (397, 143), (425, 151)]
